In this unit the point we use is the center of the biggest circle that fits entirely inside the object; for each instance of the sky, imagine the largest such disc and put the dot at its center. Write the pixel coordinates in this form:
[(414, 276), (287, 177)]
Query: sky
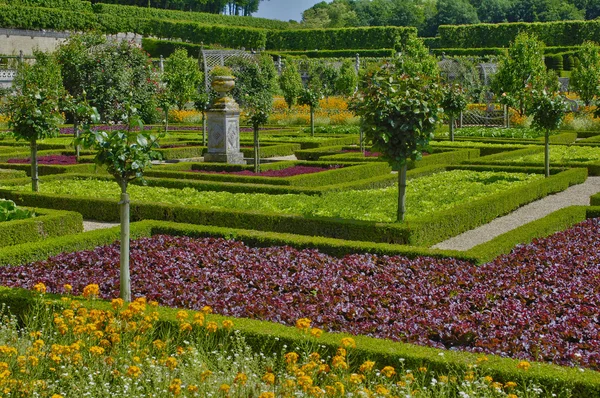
[(284, 9)]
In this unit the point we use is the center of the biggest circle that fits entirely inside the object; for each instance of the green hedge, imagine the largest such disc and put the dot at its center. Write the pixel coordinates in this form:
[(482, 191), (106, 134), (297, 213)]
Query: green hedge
[(37, 18), (554, 62), (431, 42), (72, 5), (307, 144), (317, 153), (351, 53), (339, 39), (5, 174), (47, 224), (595, 138), (262, 335), (595, 200), (123, 11), (428, 231), (156, 47), (47, 169), (184, 152), (564, 33), (272, 150), (554, 222), (469, 52)]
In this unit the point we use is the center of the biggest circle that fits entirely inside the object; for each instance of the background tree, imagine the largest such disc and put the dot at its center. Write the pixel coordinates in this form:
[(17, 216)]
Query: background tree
[(202, 103), (548, 110), (454, 101), (311, 98), (585, 78), (181, 77), (521, 68), (34, 108), (125, 154), (347, 80), (290, 83), (398, 104)]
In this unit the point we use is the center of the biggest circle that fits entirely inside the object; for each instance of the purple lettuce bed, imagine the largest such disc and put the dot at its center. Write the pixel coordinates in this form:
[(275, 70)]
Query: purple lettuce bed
[(49, 159), (287, 172), (540, 302)]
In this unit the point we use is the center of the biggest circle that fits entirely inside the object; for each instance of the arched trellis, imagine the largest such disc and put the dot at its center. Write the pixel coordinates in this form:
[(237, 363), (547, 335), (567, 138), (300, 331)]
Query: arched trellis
[(487, 70), (213, 58), (449, 69)]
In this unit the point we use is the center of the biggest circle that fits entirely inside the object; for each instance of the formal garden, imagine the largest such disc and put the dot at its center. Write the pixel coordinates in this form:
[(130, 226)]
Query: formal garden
[(266, 227)]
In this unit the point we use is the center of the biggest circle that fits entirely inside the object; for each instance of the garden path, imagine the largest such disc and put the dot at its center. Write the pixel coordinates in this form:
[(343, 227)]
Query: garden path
[(89, 225), (577, 195)]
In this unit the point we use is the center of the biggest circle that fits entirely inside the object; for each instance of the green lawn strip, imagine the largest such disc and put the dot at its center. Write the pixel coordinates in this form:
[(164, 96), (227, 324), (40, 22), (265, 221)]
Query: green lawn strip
[(553, 222), (485, 149), (47, 169), (559, 139), (423, 232), (47, 224), (265, 336), (316, 153), (593, 139)]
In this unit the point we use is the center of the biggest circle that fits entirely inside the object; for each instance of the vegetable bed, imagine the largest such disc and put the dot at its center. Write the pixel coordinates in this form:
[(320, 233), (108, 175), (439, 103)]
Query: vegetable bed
[(540, 302)]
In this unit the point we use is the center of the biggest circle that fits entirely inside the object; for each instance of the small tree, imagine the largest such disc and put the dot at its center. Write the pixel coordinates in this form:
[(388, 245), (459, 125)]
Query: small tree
[(181, 77), (585, 78), (125, 154), (347, 80), (310, 97), (548, 110), (454, 101), (202, 104), (34, 108), (523, 67), (398, 104), (290, 83)]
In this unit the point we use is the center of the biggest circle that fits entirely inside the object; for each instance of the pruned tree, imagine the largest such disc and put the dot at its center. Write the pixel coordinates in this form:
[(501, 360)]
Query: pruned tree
[(585, 78)]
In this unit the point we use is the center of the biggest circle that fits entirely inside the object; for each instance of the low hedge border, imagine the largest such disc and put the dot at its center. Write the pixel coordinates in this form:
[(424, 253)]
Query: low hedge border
[(557, 139), (595, 138), (554, 222), (595, 200), (5, 174), (485, 149), (272, 150), (441, 157), (184, 152), (265, 336), (347, 140), (46, 224), (48, 170), (426, 232), (587, 133), (317, 153)]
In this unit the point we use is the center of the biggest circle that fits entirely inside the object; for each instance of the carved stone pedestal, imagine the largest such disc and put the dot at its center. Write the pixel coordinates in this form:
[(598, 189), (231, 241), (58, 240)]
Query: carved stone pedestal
[(223, 123)]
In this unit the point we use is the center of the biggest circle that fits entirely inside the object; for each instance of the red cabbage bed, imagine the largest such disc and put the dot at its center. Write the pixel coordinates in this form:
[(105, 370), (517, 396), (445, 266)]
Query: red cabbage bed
[(540, 302), (50, 159), (287, 172)]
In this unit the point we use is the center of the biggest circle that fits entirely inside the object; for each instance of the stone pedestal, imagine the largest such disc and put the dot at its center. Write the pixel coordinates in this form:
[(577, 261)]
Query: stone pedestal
[(223, 123)]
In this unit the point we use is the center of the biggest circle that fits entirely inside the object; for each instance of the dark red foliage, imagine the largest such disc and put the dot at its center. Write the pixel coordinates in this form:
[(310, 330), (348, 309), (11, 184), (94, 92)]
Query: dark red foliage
[(287, 172), (50, 159), (540, 302)]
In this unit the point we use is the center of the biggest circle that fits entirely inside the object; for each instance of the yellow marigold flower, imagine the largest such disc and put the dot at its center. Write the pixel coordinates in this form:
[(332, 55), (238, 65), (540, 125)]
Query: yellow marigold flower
[(339, 362), (316, 332), (341, 352), (388, 371), (185, 327), (330, 390), (380, 389), (175, 387), (289, 383), (356, 378), (207, 310), (55, 358), (212, 327), (510, 384), (153, 303), (38, 344), (35, 335), (305, 381), (57, 396), (171, 363), (524, 365), (104, 343), (133, 371), (91, 290), (291, 358), (324, 368), (181, 315), (136, 359), (497, 385), (109, 361), (96, 350), (224, 388), (192, 388), (443, 379), (511, 396), (159, 344), (67, 288), (315, 356), (227, 324), (470, 376), (117, 303), (339, 387), (240, 378), (33, 360), (488, 379), (205, 375), (348, 342), (482, 359), (367, 366), (40, 288), (269, 378), (303, 323), (267, 395)]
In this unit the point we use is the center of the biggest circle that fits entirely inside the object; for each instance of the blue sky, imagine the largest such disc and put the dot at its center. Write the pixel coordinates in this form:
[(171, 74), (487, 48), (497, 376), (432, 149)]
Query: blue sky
[(284, 9)]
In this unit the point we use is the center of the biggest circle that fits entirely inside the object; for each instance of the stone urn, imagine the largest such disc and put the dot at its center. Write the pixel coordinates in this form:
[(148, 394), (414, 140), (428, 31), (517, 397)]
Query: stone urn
[(222, 86)]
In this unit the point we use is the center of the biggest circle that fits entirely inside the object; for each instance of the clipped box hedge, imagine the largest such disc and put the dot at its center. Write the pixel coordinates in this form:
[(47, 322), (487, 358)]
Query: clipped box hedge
[(46, 224), (261, 335), (5, 174), (271, 150), (351, 53), (424, 232)]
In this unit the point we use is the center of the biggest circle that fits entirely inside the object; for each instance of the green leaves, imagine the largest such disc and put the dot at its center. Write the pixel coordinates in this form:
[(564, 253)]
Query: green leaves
[(548, 110), (9, 211)]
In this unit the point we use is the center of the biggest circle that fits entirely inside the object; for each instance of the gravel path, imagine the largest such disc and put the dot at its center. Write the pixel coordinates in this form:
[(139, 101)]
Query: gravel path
[(89, 225), (575, 195)]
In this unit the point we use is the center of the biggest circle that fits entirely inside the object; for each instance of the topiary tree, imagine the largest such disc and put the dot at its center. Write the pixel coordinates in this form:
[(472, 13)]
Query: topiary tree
[(398, 104), (125, 154), (454, 101), (34, 108), (522, 67), (548, 109), (310, 97), (347, 80), (290, 83), (585, 78)]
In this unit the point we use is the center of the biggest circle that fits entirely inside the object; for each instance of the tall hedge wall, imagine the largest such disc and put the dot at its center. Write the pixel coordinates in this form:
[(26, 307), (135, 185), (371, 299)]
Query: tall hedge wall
[(201, 17), (565, 33), (37, 18), (339, 39)]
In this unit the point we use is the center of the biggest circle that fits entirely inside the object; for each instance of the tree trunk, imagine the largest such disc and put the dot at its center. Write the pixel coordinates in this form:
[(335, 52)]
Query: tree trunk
[(362, 141), (125, 281), (312, 122), (76, 135), (34, 167), (451, 128), (547, 153), (166, 119), (203, 129), (401, 193)]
